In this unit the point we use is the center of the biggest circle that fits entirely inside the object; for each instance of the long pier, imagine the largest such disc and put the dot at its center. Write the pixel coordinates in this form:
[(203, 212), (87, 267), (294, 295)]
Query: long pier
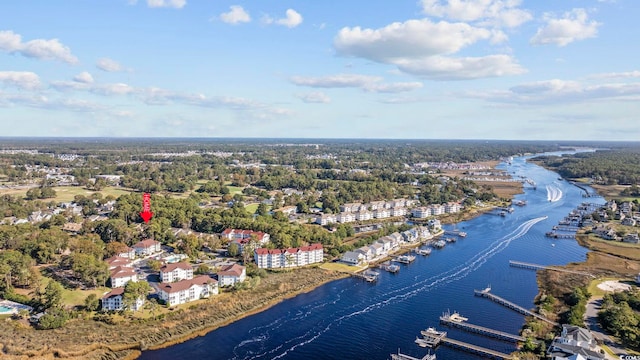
[(461, 324), (526, 265), (456, 344), (504, 302), (555, 235), (400, 356)]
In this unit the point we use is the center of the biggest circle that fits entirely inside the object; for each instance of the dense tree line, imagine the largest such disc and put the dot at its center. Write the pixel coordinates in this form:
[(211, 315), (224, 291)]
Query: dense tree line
[(619, 316), (619, 166)]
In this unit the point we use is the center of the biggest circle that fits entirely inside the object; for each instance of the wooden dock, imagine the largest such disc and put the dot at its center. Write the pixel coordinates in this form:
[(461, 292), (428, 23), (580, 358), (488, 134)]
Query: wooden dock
[(555, 235), (436, 339), (400, 356), (456, 322), (368, 275), (526, 265), (497, 299)]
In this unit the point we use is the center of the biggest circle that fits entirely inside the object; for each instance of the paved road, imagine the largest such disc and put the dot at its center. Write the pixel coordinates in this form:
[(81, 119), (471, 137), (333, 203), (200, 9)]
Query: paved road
[(591, 319)]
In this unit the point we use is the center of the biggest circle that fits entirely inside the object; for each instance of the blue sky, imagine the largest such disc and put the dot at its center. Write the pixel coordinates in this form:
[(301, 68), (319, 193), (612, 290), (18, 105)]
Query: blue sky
[(432, 69)]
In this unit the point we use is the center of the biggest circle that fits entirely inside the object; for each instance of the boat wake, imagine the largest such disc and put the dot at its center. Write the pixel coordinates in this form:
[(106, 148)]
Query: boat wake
[(553, 193), (381, 300)]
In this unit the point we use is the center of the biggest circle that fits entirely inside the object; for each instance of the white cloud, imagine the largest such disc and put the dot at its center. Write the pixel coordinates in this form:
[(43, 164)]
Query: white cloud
[(51, 49), (176, 4), (112, 89), (317, 97), (617, 75), (235, 16), (21, 79), (451, 68), (572, 26), (392, 87), (500, 13), (336, 81), (412, 38), (561, 91), (365, 82), (84, 77), (109, 65), (291, 20)]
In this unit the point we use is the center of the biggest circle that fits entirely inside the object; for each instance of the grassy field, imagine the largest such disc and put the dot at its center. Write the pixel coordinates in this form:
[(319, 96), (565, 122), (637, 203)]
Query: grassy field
[(616, 248), (593, 288), (334, 266), (67, 193), (234, 190)]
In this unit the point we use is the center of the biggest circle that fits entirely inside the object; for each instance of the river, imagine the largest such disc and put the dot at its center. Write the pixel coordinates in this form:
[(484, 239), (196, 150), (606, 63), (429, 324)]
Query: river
[(351, 319)]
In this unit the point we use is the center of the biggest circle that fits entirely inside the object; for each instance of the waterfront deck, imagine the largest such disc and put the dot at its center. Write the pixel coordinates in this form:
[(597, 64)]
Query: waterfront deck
[(526, 265), (440, 337), (504, 302), (555, 235), (388, 266), (368, 275)]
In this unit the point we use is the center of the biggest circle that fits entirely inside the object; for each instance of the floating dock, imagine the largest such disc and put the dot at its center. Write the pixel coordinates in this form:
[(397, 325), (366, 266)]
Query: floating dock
[(433, 338), (531, 266), (425, 252), (455, 233), (497, 299), (457, 321), (555, 235)]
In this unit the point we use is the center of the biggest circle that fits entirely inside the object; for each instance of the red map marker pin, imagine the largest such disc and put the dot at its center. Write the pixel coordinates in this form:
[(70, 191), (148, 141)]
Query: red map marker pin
[(146, 213)]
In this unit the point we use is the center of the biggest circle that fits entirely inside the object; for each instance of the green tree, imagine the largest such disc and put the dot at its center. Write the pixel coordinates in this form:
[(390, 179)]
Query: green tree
[(134, 291), (233, 249), (91, 302), (52, 296)]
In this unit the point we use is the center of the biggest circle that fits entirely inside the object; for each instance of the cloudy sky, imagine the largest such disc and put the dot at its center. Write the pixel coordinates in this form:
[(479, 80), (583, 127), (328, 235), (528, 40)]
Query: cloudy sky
[(431, 69)]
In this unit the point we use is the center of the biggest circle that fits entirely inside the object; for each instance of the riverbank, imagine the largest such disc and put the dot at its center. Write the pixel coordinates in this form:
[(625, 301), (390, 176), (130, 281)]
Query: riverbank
[(125, 338)]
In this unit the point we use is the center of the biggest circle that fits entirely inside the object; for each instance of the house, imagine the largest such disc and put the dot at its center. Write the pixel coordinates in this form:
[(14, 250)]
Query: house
[(231, 274), (574, 343), (628, 221), (363, 215), (188, 290), (116, 261), (421, 212), (345, 217), (292, 257), (377, 249), (398, 211), (112, 301), (434, 224), (631, 238), (452, 207), (289, 210), (175, 272), (605, 233), (147, 247), (353, 257), (350, 207), (121, 275), (381, 213), (72, 227), (437, 209), (326, 219)]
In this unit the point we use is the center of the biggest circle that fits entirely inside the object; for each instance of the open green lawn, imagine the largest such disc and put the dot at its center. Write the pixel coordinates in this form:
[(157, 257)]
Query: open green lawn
[(70, 297), (234, 190), (67, 193)]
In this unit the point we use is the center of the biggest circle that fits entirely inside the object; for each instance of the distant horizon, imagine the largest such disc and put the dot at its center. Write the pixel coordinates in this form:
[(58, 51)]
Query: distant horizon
[(303, 139)]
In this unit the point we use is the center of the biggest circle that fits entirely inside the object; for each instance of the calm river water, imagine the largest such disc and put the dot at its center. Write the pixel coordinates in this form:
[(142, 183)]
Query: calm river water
[(351, 319)]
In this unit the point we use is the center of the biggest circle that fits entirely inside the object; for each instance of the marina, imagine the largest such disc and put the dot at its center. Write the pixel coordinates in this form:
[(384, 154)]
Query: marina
[(424, 252)]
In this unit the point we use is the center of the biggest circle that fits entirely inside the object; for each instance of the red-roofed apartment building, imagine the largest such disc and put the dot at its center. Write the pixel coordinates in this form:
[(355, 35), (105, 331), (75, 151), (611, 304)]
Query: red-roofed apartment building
[(121, 275), (292, 257), (112, 301), (185, 291), (176, 272), (147, 247), (232, 274)]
